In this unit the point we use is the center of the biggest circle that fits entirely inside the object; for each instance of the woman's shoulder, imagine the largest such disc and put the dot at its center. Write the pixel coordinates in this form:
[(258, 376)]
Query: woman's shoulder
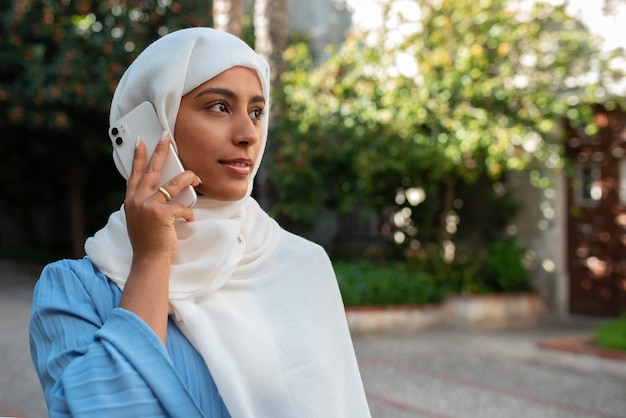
[(80, 271), (74, 279), (77, 265), (299, 245)]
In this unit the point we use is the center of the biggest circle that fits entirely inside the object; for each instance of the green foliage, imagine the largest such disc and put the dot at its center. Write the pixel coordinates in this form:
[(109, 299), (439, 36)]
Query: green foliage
[(428, 277), (60, 57), (499, 269), (461, 275), (300, 167), (504, 269), (612, 335), (478, 214), (60, 61), (470, 90), (367, 284)]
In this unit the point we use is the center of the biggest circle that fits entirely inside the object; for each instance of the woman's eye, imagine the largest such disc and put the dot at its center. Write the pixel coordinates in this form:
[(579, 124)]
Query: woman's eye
[(257, 114), (218, 107)]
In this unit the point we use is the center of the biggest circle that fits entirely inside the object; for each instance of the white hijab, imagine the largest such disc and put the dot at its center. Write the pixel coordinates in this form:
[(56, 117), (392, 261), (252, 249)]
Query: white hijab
[(261, 305)]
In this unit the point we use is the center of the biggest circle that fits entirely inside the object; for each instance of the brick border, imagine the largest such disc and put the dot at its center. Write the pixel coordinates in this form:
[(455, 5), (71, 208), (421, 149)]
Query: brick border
[(581, 345), (477, 312)]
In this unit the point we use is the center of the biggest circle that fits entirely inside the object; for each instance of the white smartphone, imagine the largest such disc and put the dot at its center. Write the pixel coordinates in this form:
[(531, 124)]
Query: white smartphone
[(143, 122)]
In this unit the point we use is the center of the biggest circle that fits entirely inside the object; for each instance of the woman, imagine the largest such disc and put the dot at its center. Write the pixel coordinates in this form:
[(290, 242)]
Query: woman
[(212, 311)]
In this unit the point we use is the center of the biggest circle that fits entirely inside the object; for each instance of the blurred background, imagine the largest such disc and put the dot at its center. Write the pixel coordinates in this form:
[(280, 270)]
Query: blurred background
[(478, 145)]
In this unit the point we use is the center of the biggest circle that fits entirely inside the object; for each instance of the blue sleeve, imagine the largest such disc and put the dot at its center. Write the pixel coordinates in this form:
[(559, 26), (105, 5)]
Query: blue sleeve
[(94, 359)]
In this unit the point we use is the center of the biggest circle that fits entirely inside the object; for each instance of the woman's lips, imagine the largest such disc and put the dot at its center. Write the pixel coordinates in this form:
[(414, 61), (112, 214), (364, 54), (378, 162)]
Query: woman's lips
[(239, 166)]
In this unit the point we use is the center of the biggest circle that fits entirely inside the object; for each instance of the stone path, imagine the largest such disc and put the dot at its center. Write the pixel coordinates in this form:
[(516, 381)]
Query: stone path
[(446, 373)]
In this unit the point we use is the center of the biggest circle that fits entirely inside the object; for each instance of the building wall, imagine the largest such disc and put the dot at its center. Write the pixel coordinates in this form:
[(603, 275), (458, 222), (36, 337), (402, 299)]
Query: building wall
[(541, 227), (324, 21)]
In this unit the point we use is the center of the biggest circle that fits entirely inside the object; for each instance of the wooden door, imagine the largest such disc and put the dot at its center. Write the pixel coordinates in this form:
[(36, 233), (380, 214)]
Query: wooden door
[(597, 218)]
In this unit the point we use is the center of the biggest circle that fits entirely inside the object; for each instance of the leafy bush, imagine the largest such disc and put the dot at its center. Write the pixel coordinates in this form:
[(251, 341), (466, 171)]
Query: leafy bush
[(612, 335), (428, 278), (364, 283), (504, 269), (461, 275)]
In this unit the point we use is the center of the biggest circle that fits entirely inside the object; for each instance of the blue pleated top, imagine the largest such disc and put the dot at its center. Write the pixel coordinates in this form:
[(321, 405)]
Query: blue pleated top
[(95, 359)]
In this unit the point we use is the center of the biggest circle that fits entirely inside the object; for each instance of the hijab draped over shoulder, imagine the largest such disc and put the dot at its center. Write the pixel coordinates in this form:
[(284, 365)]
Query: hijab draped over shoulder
[(260, 305)]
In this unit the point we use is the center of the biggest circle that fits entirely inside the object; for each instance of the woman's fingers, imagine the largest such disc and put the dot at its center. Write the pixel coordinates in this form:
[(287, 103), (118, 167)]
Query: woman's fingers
[(139, 164), (145, 177), (152, 172), (150, 218), (172, 188)]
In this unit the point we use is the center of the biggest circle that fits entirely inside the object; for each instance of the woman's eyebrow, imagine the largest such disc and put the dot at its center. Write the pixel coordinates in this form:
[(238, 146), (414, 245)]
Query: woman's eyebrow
[(217, 90), (228, 93), (257, 99)]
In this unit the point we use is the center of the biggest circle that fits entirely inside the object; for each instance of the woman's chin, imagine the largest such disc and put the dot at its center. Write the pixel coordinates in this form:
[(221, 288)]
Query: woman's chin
[(230, 196)]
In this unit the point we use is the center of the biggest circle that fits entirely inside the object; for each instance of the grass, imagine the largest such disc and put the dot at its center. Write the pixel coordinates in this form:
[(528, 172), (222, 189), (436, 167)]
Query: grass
[(612, 335)]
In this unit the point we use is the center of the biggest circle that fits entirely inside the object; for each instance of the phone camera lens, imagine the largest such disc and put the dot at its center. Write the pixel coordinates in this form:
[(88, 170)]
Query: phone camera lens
[(114, 131), (119, 140)]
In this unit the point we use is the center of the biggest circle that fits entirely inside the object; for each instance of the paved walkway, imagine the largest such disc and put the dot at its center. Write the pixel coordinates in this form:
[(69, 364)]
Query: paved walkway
[(433, 373), (442, 372), (20, 393)]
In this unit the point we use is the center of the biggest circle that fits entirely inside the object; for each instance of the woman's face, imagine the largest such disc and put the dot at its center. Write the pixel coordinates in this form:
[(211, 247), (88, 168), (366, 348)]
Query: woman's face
[(218, 132)]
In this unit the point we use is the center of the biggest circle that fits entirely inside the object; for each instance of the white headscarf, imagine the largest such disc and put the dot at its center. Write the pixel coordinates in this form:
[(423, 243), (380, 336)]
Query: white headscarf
[(261, 305)]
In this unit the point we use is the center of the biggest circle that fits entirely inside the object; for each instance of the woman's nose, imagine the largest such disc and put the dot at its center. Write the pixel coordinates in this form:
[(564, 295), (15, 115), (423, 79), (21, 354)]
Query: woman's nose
[(246, 132)]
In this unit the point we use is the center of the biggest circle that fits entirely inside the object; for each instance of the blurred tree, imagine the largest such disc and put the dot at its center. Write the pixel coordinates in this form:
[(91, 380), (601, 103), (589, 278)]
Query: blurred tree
[(610, 6), (228, 16), (60, 61), (270, 32), (444, 93)]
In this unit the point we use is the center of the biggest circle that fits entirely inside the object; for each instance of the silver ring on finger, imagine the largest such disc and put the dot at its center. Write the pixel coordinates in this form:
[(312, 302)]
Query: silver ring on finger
[(165, 194)]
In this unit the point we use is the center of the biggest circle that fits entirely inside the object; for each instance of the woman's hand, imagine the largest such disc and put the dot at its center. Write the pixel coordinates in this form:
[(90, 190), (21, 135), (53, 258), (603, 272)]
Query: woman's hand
[(150, 221)]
